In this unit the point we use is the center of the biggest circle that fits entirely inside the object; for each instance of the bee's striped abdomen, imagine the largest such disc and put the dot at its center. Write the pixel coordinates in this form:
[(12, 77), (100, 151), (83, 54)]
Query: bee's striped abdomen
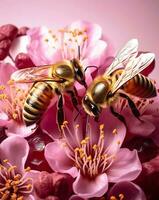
[(140, 86), (37, 102)]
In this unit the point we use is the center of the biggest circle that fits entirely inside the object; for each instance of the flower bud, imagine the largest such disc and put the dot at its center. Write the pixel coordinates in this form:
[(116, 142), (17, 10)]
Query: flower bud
[(9, 31), (4, 48), (62, 185), (22, 60), (44, 185), (22, 31), (2, 37)]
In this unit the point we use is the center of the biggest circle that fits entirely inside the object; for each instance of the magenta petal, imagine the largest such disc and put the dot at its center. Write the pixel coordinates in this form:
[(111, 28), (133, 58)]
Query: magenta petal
[(126, 166), (16, 150), (20, 129), (130, 191), (76, 197), (5, 71), (55, 155), (87, 188)]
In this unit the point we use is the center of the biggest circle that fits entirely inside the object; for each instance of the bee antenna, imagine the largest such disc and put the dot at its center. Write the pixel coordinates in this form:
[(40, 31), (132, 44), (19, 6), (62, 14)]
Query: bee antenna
[(79, 53), (79, 112), (97, 68)]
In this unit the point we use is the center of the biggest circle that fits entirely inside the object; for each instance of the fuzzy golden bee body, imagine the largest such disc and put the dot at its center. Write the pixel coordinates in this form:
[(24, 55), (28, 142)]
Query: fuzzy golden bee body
[(47, 81), (117, 82)]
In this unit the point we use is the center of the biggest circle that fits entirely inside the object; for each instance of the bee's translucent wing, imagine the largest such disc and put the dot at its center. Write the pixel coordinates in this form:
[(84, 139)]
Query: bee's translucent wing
[(128, 52), (32, 74), (133, 67)]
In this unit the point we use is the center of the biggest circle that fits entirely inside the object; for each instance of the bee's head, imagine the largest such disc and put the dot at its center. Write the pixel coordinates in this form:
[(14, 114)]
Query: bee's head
[(79, 74), (90, 107)]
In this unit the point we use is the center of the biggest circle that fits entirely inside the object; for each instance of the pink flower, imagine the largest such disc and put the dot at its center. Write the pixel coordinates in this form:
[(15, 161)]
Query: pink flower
[(16, 182), (53, 185), (93, 156), (126, 190), (11, 104), (148, 125), (51, 46), (120, 191)]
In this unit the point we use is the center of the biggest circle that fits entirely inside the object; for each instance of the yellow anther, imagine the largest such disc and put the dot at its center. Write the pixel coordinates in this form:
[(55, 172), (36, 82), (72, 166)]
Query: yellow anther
[(113, 198), (11, 168), (95, 147), (102, 136), (10, 82), (87, 139), (2, 87), (29, 186), (77, 126), (115, 131), (89, 158), (3, 96), (5, 160), (76, 149), (14, 115), (121, 196), (17, 177), (65, 122), (118, 142), (82, 155), (85, 38), (101, 127), (83, 142), (27, 169), (20, 198)]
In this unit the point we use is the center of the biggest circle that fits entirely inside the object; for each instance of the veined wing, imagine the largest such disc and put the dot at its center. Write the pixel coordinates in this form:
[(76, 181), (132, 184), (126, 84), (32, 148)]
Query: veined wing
[(128, 52), (133, 67)]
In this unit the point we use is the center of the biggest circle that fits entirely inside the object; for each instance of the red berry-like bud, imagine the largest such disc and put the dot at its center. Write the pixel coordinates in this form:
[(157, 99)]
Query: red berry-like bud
[(4, 48), (2, 37), (22, 60), (44, 185), (62, 185), (9, 30), (22, 31)]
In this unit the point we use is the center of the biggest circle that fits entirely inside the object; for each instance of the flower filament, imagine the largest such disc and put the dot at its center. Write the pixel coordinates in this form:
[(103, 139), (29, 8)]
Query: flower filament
[(13, 185), (91, 159)]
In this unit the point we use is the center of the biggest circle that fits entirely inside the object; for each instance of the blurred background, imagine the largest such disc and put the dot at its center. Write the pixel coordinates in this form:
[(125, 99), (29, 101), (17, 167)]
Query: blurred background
[(120, 20)]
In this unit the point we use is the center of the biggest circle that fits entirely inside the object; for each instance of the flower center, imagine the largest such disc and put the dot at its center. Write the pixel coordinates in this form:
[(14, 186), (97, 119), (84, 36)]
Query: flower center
[(91, 158), (120, 197), (72, 42), (13, 186), (12, 101)]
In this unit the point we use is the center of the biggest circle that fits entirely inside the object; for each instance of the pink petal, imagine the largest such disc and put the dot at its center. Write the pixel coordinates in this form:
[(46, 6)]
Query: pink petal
[(126, 166), (144, 127), (5, 71), (76, 197), (19, 45), (94, 31), (112, 141), (130, 191), (19, 129), (87, 188), (96, 54), (55, 155), (16, 150)]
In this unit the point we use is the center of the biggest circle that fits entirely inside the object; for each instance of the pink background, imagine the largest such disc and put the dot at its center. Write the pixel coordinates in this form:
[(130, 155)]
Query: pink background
[(121, 20)]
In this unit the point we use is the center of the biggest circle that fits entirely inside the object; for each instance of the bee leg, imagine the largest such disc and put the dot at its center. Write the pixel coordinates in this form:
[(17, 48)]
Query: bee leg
[(120, 117), (132, 106), (73, 99), (60, 113)]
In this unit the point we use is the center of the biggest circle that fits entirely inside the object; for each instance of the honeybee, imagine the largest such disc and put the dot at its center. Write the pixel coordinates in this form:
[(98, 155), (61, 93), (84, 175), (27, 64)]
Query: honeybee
[(46, 82), (117, 82)]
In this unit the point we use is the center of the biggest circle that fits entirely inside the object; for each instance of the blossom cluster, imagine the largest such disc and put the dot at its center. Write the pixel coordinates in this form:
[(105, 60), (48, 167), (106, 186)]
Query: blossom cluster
[(84, 158)]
